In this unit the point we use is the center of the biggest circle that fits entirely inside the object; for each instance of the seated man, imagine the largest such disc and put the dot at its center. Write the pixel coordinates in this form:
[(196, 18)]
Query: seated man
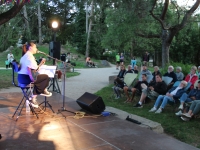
[(145, 70), (129, 70), (172, 95), (119, 83), (194, 94), (194, 110), (153, 90), (170, 73), (136, 88), (135, 69), (90, 62)]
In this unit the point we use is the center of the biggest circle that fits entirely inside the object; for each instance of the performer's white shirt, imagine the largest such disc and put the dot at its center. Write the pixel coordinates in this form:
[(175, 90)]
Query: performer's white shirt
[(28, 60)]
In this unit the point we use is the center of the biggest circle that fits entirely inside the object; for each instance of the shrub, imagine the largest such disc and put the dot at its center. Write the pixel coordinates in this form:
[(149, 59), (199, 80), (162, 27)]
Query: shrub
[(185, 67)]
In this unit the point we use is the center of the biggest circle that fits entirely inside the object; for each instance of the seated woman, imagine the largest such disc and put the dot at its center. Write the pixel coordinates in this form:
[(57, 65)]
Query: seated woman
[(28, 64), (192, 77), (179, 74), (90, 62), (194, 110), (172, 95)]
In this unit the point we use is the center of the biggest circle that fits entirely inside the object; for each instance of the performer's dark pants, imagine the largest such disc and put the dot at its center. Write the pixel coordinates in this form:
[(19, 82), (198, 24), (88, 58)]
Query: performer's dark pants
[(39, 85)]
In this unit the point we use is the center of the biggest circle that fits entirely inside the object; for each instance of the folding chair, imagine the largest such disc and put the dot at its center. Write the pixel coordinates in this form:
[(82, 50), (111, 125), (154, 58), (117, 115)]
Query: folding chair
[(128, 80), (26, 90)]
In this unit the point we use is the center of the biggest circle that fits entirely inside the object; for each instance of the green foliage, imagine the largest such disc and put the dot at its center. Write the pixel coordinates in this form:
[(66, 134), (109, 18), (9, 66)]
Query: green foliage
[(79, 38), (185, 67)]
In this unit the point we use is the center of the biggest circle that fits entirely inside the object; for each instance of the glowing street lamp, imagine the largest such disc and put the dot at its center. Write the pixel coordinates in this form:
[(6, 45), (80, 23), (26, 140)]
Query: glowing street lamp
[(54, 24)]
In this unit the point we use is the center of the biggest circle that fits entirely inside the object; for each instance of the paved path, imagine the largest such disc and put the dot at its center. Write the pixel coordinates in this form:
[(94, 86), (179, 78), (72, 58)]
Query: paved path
[(90, 80)]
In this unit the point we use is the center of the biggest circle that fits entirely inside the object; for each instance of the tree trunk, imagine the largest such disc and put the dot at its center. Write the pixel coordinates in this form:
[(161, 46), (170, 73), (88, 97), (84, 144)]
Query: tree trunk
[(26, 22), (165, 48), (89, 30), (39, 23)]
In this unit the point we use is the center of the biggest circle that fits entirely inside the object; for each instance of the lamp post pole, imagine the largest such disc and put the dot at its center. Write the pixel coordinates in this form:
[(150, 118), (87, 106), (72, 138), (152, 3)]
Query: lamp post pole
[(54, 26)]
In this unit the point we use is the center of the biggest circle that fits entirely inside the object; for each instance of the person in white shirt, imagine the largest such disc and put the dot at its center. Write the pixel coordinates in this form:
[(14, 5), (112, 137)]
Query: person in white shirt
[(172, 95), (10, 58), (27, 64)]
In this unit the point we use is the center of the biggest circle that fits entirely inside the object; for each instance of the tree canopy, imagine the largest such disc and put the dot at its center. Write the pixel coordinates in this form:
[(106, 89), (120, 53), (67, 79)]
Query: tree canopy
[(163, 28)]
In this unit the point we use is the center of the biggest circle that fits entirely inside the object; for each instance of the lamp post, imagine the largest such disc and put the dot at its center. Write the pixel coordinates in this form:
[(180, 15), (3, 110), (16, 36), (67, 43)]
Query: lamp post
[(54, 25), (53, 47)]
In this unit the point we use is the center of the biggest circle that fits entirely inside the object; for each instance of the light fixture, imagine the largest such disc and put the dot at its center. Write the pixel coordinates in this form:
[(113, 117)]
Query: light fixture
[(54, 24)]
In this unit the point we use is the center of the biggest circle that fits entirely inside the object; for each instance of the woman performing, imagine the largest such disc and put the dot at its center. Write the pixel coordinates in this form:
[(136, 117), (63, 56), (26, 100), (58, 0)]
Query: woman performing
[(28, 65)]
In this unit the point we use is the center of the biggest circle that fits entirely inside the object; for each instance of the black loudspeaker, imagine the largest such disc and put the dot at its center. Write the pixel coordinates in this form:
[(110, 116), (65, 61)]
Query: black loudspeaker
[(91, 103), (54, 49)]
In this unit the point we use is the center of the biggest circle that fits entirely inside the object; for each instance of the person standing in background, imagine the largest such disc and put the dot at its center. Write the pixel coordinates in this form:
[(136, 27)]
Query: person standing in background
[(122, 59), (63, 57), (117, 61), (145, 58), (10, 58), (68, 58)]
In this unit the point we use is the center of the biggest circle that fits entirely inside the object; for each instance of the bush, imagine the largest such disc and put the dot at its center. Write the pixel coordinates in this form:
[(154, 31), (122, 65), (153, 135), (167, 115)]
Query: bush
[(185, 67)]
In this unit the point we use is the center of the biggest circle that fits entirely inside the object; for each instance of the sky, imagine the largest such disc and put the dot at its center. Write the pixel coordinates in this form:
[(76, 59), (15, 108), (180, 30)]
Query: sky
[(188, 3)]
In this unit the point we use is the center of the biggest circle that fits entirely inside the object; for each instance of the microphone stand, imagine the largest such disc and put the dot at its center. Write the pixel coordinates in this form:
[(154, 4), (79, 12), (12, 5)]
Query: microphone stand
[(63, 84)]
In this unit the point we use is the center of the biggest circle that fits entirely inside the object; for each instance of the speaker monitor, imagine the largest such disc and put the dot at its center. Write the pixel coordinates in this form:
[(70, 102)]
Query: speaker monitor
[(91, 103), (54, 49)]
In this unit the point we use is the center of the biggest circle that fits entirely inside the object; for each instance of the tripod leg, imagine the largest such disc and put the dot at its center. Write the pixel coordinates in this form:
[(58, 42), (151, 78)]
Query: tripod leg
[(50, 107)]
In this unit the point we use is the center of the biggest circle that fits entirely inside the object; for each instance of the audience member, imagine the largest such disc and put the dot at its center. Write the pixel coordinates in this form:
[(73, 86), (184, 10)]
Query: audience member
[(135, 69), (90, 62), (192, 77), (145, 70), (156, 71), (172, 95), (198, 72), (193, 110), (179, 74), (129, 70), (136, 88), (194, 94), (119, 83), (153, 90), (170, 73)]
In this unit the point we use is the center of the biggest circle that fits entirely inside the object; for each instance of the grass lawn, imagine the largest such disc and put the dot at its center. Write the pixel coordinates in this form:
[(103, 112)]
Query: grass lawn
[(187, 132)]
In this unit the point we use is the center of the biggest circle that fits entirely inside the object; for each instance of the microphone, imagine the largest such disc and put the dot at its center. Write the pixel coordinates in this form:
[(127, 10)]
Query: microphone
[(133, 120), (41, 52)]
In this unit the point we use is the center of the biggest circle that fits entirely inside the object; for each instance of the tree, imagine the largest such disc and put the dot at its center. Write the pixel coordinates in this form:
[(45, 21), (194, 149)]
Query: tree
[(169, 31), (12, 12)]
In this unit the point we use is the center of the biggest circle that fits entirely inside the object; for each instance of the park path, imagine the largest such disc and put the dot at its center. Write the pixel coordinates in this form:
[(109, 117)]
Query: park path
[(90, 80)]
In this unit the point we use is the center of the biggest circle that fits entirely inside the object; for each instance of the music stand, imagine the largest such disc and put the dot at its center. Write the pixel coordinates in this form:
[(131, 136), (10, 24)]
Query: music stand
[(50, 71)]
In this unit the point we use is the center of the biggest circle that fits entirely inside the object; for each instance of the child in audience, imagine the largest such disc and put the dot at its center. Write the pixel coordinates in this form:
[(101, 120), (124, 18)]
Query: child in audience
[(7, 63)]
